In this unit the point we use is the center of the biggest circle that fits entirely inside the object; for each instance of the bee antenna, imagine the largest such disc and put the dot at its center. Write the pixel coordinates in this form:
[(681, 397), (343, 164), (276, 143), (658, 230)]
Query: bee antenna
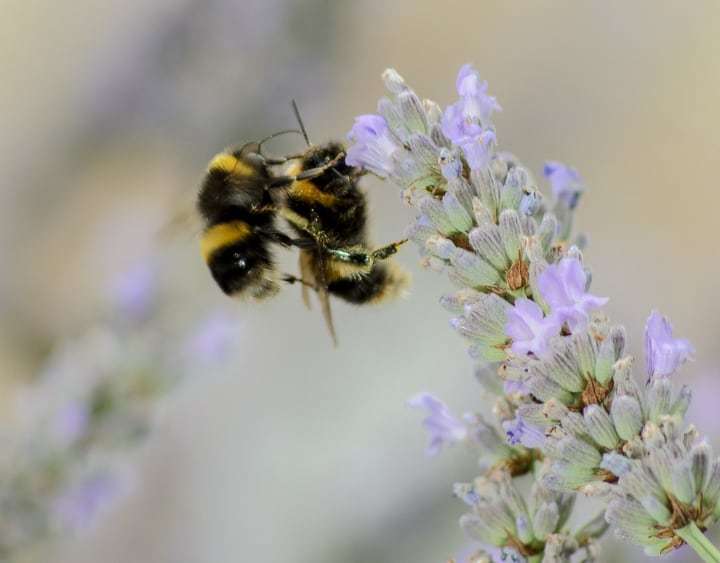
[(283, 132), (300, 122)]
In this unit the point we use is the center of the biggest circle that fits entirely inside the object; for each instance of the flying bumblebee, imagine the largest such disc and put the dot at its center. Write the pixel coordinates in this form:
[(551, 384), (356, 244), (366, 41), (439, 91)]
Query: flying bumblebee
[(322, 201)]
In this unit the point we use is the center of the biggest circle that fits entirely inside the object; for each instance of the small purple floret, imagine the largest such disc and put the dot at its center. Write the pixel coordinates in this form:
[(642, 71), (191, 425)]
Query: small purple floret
[(562, 286), (663, 354), (477, 105), (374, 145), (520, 432), (529, 328), (444, 427), (565, 181), (465, 123)]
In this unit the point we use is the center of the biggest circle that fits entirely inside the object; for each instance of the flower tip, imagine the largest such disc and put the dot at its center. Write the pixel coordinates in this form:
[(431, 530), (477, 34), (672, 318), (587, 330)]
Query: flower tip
[(419, 400), (393, 80)]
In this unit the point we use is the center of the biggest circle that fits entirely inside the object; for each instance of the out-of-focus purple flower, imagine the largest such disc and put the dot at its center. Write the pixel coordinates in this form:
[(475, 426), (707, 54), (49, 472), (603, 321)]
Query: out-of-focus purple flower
[(72, 422), (663, 354), (529, 328), (514, 388), (213, 338), (565, 182), (374, 145), (440, 422), (520, 432), (79, 506), (135, 291), (562, 286)]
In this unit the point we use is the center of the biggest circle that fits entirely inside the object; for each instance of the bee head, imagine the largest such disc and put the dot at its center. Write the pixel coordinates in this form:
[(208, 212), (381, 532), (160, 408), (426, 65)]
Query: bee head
[(320, 155)]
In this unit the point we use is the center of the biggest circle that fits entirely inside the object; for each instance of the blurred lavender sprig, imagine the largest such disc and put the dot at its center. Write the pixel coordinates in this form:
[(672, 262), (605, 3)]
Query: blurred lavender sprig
[(70, 454), (570, 413)]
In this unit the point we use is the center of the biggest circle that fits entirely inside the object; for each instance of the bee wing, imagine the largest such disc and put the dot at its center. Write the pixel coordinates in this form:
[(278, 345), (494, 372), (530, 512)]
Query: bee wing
[(308, 272), (324, 298), (183, 222)]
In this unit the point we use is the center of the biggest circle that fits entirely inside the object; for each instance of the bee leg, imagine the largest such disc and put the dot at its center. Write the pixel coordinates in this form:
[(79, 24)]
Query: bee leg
[(323, 296), (387, 251), (361, 257), (276, 236), (306, 175), (282, 239), (315, 172), (289, 278), (311, 226)]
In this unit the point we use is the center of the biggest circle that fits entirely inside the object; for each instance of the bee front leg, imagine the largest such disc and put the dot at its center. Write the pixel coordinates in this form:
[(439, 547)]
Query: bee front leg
[(387, 251)]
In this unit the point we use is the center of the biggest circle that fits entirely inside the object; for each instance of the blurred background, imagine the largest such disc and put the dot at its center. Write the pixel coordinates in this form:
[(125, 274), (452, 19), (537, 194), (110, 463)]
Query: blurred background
[(288, 449)]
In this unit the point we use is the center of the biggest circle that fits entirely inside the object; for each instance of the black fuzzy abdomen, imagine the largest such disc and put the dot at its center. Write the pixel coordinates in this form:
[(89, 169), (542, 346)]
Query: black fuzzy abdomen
[(361, 289)]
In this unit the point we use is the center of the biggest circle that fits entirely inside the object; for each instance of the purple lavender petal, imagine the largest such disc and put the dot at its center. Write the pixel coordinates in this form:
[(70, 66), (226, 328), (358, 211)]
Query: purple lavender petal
[(444, 427), (79, 506), (477, 105), (374, 145), (565, 182), (663, 354), (529, 328), (520, 432), (477, 149), (562, 286)]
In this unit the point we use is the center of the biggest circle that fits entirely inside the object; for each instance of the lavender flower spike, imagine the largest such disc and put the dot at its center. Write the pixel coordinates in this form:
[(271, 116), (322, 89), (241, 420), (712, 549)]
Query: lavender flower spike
[(576, 418)]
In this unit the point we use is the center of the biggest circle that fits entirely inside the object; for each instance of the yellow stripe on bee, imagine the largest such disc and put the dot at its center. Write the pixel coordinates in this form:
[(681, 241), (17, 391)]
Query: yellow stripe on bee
[(336, 269), (225, 162), (222, 235), (308, 191)]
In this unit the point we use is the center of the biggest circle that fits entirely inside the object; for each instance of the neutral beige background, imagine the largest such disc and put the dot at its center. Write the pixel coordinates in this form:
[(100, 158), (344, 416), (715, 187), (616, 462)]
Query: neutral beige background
[(295, 451)]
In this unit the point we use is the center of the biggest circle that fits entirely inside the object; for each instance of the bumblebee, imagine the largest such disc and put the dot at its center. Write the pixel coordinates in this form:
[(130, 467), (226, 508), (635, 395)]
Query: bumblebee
[(322, 201), (239, 215), (318, 195), (240, 223)]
